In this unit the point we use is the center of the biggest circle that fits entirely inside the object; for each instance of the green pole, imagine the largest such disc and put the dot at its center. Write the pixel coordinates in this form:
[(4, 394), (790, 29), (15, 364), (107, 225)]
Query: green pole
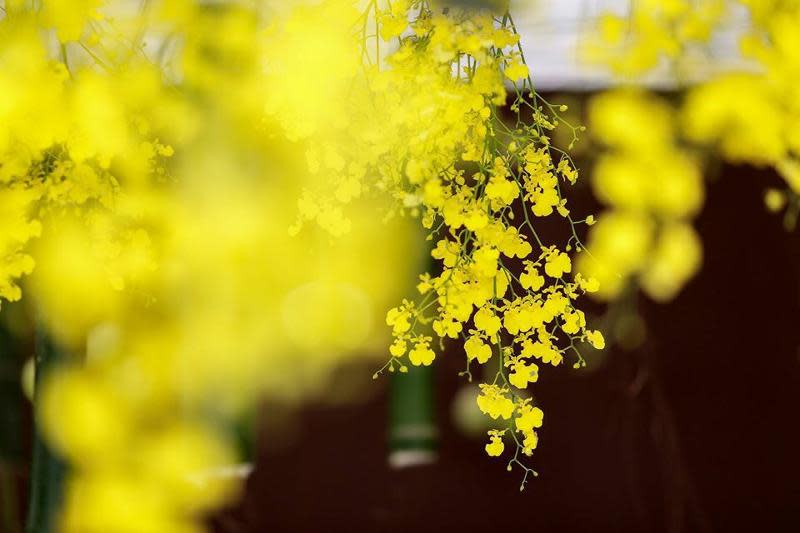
[(47, 469), (412, 429)]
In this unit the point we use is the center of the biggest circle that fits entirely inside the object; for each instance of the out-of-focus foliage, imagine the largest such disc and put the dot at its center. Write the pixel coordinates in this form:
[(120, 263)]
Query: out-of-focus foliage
[(650, 176), (652, 33), (652, 187), (149, 194), (189, 197)]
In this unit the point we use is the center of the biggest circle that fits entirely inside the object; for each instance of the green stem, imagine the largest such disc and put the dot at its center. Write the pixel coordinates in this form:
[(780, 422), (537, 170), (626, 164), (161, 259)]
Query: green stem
[(47, 470)]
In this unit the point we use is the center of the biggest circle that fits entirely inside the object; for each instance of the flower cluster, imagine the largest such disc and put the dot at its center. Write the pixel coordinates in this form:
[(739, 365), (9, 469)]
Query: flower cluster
[(653, 33), (751, 116), (480, 188), (747, 114), (653, 189), (150, 165), (148, 175)]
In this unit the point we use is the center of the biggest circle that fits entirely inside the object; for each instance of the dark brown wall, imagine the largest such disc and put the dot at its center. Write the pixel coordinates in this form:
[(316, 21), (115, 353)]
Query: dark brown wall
[(706, 440)]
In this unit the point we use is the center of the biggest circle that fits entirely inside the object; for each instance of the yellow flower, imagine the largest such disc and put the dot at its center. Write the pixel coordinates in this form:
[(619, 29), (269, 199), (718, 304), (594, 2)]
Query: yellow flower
[(494, 402), (545, 351), (100, 422), (522, 374), (545, 200), (596, 339), (487, 321), (531, 279), (631, 119), (16, 229), (398, 348), (739, 112), (475, 219), (557, 264), (528, 418), (394, 22), (529, 442), (447, 252), (424, 284), (573, 322), (568, 171), (587, 284), (502, 191), (421, 354), (495, 447), (516, 71), (485, 261), (447, 327), (398, 318), (620, 243), (69, 17), (519, 247), (675, 259), (392, 26), (477, 349)]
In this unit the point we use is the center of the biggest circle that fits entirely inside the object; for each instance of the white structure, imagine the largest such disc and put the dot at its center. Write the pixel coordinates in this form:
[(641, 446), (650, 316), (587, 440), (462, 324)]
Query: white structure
[(552, 29)]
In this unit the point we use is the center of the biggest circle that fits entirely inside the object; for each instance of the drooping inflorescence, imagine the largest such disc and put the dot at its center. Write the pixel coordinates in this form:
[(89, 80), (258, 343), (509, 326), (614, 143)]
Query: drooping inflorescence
[(500, 291), (151, 164)]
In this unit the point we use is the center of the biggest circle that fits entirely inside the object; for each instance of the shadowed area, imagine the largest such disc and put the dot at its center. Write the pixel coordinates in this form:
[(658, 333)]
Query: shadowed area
[(694, 431)]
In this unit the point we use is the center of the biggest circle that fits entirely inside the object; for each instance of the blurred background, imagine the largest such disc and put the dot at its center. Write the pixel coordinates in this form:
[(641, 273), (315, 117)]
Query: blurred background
[(554, 32), (693, 430)]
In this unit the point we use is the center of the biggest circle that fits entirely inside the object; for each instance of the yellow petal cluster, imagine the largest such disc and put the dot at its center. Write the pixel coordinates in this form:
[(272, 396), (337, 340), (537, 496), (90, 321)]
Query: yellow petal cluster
[(652, 188)]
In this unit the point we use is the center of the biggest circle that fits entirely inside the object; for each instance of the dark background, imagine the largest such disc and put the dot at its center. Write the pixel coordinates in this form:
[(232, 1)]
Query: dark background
[(696, 430)]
